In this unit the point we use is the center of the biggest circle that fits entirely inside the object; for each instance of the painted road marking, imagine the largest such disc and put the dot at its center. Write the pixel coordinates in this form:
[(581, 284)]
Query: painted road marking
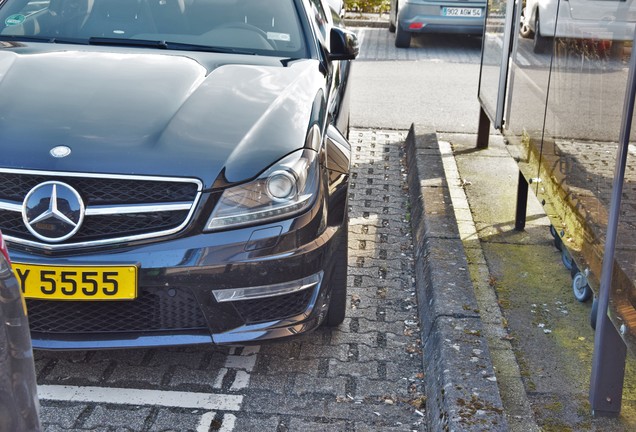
[(243, 360), (124, 396), (229, 421)]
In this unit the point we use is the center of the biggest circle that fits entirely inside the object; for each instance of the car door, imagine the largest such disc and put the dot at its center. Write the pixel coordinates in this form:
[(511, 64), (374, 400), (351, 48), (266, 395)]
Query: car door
[(323, 19)]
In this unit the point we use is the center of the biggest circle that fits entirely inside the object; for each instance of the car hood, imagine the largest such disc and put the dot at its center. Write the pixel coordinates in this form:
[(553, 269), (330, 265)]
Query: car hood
[(140, 112)]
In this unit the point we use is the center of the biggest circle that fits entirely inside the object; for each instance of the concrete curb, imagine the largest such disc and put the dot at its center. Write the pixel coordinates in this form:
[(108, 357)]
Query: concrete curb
[(353, 22), (461, 388)]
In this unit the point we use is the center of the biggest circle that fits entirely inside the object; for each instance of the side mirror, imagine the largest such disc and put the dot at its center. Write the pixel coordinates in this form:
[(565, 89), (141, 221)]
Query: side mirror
[(344, 44)]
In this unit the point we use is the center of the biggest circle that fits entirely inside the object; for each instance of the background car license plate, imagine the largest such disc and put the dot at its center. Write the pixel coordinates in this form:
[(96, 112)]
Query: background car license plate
[(77, 282), (464, 12)]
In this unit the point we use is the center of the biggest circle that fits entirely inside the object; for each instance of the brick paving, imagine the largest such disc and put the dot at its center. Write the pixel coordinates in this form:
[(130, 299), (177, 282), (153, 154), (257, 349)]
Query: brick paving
[(378, 44), (366, 375)]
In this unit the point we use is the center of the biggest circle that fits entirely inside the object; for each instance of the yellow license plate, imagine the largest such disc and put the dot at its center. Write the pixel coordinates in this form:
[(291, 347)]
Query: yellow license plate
[(77, 282)]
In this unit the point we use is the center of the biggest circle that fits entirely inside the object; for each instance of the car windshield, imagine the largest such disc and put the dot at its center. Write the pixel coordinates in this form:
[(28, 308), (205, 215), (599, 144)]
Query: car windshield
[(268, 27)]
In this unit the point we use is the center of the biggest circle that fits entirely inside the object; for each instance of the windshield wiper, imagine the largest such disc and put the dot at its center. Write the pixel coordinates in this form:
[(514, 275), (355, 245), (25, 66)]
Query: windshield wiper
[(128, 42), (162, 44), (207, 48), (48, 39)]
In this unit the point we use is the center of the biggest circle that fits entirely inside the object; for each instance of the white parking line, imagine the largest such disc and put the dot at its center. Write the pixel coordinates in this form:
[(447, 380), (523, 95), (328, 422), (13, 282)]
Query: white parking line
[(243, 363), (218, 382), (360, 34), (123, 396), (241, 381), (206, 422), (240, 362), (229, 420)]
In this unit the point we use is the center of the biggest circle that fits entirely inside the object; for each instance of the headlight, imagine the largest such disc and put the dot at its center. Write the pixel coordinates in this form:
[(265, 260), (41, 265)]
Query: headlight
[(288, 187)]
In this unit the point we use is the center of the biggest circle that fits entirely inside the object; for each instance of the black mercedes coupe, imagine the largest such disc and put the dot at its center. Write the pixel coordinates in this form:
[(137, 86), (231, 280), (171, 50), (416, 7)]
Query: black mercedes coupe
[(175, 172)]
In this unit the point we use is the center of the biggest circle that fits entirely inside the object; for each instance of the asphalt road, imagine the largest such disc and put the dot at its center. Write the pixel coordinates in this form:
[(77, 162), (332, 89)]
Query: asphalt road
[(434, 83), (365, 375)]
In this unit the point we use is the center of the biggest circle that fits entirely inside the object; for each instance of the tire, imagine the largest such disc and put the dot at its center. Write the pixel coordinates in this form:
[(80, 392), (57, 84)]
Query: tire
[(338, 282), (566, 258), (574, 270), (541, 44), (593, 313), (392, 23), (402, 37), (580, 288), (525, 31)]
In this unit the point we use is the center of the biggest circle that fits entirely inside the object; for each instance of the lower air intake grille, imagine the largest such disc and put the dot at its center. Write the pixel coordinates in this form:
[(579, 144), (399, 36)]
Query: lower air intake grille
[(273, 308), (153, 310)]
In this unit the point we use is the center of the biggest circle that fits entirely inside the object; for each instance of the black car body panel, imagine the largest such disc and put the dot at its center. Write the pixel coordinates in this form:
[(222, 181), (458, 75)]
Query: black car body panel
[(141, 152), (148, 106)]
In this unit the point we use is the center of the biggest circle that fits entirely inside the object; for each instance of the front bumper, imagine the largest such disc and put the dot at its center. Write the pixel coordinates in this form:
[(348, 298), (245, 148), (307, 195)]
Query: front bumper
[(427, 17), (177, 278)]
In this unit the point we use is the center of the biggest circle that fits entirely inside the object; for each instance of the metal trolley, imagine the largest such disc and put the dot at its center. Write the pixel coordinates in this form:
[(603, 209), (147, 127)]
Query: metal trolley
[(558, 78)]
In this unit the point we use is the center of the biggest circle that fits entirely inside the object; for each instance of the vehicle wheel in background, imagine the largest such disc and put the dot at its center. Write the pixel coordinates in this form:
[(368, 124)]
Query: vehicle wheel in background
[(393, 20), (541, 44), (524, 30), (402, 37), (338, 282)]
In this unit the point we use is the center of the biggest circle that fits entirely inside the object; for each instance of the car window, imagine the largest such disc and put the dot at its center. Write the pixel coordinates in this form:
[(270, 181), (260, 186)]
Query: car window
[(319, 16), (269, 27)]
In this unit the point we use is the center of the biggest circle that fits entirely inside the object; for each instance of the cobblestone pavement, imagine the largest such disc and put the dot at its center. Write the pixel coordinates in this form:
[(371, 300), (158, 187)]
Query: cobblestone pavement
[(365, 375), (378, 44)]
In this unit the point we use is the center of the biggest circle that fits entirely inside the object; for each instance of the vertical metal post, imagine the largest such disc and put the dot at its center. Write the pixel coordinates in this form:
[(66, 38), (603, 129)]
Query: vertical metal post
[(608, 362), (483, 130), (522, 203)]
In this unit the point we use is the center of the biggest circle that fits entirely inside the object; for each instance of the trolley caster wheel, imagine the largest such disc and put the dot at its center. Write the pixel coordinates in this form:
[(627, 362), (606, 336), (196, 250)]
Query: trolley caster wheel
[(574, 270), (593, 313), (553, 231), (566, 258), (580, 288), (558, 243)]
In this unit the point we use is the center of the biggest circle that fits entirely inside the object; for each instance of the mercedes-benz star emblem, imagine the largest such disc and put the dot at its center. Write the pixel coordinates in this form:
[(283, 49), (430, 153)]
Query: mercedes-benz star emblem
[(60, 151), (53, 211)]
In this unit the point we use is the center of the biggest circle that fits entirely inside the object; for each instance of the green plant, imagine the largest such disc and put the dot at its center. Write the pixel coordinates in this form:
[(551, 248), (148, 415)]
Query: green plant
[(377, 6)]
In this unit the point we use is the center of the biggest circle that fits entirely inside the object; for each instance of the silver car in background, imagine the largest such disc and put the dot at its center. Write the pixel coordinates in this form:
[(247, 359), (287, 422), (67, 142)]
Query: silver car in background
[(610, 20), (430, 16)]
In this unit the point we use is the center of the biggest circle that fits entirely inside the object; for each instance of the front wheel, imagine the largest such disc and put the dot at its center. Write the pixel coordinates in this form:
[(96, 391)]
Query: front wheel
[(338, 282), (402, 37), (541, 44)]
